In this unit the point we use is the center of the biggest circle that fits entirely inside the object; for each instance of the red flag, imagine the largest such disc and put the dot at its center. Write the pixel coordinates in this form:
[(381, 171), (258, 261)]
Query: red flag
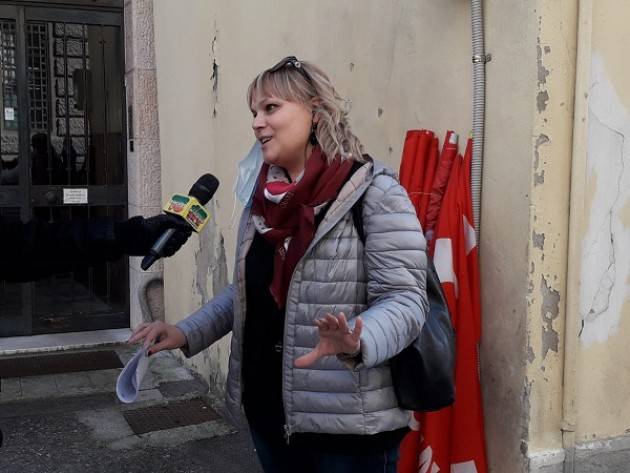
[(452, 439), (417, 177), (408, 158), (413, 164), (440, 181), (471, 242), (427, 184)]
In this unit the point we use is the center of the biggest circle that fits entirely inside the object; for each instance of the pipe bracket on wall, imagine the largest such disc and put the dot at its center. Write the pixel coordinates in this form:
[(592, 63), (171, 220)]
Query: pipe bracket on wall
[(477, 58)]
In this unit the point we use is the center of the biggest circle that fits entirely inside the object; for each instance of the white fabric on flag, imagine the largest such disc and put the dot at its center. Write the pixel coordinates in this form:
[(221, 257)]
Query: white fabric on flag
[(465, 467), (470, 236), (443, 260)]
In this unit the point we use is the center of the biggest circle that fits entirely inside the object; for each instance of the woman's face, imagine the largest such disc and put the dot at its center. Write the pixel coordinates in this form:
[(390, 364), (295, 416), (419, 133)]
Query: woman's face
[(283, 129)]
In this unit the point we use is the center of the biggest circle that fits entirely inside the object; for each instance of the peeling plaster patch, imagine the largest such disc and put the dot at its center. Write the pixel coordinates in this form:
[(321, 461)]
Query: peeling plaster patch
[(538, 240), (214, 78), (543, 72), (530, 355), (549, 312), (210, 259), (525, 416), (606, 254), (541, 100), (541, 140), (600, 256), (215, 85)]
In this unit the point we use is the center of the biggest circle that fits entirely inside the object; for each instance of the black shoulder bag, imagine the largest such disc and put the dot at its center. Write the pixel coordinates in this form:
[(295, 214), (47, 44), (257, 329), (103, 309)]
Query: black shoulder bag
[(424, 372)]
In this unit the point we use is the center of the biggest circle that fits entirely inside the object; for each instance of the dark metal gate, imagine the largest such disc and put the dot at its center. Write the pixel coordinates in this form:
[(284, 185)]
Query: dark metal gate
[(63, 154)]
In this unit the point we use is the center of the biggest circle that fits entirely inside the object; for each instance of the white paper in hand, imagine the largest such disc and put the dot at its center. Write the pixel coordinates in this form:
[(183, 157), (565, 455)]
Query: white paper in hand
[(130, 377)]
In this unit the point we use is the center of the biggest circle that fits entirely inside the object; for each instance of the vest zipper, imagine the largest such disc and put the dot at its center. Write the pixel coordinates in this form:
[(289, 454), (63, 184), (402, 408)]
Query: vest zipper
[(287, 428)]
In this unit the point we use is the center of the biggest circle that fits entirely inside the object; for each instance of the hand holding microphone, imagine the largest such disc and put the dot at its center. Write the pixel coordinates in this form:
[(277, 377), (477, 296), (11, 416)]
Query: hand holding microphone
[(184, 213)]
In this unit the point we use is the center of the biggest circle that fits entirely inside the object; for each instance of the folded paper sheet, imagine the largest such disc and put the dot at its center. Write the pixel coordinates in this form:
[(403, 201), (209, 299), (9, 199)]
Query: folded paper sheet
[(130, 377)]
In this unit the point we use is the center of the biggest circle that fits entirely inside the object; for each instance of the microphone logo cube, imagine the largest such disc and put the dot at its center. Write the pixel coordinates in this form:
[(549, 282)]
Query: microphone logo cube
[(189, 209)]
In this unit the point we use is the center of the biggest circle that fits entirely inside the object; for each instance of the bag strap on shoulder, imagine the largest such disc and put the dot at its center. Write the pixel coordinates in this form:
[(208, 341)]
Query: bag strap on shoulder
[(357, 217)]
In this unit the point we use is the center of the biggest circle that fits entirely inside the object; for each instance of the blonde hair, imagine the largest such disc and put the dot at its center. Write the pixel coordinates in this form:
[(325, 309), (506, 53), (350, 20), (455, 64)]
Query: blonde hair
[(313, 88)]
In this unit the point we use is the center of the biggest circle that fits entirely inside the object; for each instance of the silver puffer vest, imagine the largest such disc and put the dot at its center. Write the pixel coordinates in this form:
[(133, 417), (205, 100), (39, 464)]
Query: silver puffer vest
[(384, 282)]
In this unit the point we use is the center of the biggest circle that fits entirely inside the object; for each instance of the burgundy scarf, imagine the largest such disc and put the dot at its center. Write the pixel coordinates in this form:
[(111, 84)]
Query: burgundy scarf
[(284, 212)]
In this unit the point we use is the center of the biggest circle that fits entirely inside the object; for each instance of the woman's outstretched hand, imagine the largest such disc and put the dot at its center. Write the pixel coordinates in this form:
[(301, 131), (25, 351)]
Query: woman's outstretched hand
[(334, 337), (165, 336)]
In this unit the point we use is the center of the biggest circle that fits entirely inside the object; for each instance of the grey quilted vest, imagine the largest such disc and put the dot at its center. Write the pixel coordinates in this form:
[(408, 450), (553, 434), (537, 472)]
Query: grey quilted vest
[(384, 282)]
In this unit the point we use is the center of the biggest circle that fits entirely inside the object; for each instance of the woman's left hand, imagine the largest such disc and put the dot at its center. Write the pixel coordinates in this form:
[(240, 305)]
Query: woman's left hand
[(334, 337)]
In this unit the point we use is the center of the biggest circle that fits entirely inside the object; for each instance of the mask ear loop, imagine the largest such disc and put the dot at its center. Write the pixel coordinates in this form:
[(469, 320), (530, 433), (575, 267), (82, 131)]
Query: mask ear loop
[(233, 216)]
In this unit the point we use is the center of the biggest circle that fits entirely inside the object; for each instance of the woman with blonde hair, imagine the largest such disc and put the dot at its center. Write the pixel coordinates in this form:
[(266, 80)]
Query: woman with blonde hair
[(315, 310)]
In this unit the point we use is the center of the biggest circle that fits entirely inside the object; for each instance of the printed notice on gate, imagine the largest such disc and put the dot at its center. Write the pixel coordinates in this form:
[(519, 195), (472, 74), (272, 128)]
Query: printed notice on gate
[(75, 196)]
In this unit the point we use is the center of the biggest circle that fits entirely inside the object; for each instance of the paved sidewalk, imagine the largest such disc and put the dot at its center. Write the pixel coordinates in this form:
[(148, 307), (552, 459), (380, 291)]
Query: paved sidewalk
[(73, 422)]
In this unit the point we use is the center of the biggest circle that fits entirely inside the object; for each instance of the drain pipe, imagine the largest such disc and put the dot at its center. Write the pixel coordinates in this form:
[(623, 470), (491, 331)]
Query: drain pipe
[(572, 322), (479, 60)]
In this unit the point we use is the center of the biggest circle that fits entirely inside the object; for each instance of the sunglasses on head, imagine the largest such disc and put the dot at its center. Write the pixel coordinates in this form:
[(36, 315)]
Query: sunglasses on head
[(293, 62)]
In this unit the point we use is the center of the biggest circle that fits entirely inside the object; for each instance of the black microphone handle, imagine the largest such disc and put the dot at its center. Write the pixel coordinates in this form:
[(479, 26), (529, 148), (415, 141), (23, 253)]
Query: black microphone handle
[(155, 253)]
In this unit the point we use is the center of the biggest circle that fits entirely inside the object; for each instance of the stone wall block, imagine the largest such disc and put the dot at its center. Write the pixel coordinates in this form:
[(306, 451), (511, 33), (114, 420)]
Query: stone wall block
[(143, 43), (145, 109), (129, 39), (144, 173)]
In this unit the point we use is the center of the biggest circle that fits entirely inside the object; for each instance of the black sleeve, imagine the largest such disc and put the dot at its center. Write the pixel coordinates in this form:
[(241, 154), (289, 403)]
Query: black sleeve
[(37, 249)]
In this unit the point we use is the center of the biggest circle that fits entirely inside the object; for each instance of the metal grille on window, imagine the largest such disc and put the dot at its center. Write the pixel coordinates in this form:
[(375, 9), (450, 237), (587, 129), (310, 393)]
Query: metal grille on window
[(9, 139), (37, 74), (9, 73)]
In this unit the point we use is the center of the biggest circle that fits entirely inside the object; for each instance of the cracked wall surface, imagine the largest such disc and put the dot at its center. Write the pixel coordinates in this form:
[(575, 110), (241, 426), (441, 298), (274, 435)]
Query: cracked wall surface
[(604, 364)]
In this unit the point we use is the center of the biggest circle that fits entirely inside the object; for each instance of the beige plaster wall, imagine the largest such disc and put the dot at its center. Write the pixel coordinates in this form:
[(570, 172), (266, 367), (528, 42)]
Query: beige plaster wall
[(510, 89), (556, 40), (404, 64), (603, 363)]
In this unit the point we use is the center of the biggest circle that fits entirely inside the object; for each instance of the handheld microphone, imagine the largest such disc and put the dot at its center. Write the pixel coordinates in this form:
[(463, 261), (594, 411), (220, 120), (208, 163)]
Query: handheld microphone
[(190, 208)]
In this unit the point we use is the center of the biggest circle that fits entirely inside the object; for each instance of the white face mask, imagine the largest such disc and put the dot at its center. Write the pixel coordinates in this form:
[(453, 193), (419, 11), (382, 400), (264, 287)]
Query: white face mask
[(248, 169)]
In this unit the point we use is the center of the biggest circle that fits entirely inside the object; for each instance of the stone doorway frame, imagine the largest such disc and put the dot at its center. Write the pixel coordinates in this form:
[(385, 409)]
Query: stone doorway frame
[(144, 170)]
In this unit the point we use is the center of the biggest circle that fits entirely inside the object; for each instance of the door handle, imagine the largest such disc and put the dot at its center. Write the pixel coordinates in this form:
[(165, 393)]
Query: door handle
[(51, 197)]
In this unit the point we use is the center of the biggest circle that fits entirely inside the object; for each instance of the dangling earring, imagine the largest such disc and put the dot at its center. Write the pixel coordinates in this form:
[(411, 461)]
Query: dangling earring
[(312, 139)]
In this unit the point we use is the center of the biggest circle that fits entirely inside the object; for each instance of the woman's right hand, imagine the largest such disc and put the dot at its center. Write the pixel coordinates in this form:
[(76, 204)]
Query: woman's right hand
[(158, 336)]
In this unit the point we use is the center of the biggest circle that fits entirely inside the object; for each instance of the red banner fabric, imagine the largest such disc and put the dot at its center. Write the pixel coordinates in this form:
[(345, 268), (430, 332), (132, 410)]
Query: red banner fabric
[(452, 440)]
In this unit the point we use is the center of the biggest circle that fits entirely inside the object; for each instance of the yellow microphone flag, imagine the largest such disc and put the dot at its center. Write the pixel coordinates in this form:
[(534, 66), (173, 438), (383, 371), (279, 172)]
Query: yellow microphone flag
[(189, 209)]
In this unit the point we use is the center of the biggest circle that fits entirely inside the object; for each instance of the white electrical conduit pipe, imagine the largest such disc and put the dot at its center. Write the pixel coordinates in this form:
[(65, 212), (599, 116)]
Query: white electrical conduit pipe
[(479, 59), (572, 321)]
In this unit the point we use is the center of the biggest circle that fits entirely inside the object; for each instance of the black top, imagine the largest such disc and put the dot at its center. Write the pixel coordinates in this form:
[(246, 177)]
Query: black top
[(262, 362)]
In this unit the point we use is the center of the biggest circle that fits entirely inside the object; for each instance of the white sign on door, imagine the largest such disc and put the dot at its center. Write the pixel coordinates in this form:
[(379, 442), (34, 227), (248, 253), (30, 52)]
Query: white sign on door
[(75, 196), (9, 113)]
